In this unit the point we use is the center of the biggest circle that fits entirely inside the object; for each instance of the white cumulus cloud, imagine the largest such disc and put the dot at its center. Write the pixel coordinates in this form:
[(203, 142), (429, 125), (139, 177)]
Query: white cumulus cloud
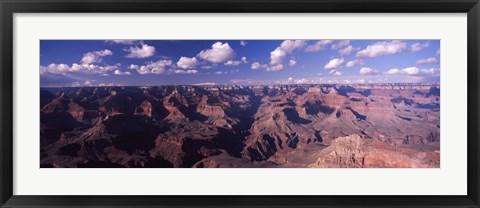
[(354, 62), (133, 66), (277, 56), (144, 51), (292, 62), (118, 72), (277, 67), (77, 68), (429, 71), (291, 45), (392, 71), (340, 44), (431, 60), (382, 49), (244, 60), (317, 46), (186, 63), (347, 50), (334, 63), (286, 47), (232, 63), (412, 71), (218, 53), (92, 68), (190, 71), (336, 73), (256, 65), (418, 46), (236, 63), (158, 67), (55, 69), (368, 71), (95, 56)]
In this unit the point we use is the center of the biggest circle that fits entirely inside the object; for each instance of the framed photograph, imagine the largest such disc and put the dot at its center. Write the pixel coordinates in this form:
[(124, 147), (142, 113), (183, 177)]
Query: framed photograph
[(239, 104)]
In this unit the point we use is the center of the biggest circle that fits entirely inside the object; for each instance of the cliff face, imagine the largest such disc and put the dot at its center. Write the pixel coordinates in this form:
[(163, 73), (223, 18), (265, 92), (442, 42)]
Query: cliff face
[(277, 127), (145, 108), (233, 126)]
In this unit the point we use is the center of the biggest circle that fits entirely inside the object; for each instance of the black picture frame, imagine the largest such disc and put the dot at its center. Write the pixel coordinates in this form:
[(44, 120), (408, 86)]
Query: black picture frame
[(9, 7)]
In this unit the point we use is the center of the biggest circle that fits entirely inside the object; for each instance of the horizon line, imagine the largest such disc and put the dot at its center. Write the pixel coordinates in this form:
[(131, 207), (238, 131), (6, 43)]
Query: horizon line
[(388, 83)]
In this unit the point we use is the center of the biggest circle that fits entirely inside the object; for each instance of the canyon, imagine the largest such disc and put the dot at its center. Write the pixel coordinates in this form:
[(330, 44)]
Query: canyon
[(249, 126)]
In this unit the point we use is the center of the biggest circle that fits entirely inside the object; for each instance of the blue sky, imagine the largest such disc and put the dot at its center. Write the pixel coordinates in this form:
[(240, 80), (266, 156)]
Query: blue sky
[(242, 62)]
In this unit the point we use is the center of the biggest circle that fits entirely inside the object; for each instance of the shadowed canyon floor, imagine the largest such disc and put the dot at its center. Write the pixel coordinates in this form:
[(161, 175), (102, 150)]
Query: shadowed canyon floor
[(228, 126)]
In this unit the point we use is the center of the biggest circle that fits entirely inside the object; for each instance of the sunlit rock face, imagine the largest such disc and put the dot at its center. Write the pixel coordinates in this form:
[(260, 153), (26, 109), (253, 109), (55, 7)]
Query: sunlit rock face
[(222, 126), (356, 152)]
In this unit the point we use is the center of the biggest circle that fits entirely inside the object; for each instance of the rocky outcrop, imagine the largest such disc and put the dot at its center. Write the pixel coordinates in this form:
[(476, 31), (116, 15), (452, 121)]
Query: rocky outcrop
[(182, 148), (213, 110), (173, 104), (277, 127), (145, 108), (356, 152)]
